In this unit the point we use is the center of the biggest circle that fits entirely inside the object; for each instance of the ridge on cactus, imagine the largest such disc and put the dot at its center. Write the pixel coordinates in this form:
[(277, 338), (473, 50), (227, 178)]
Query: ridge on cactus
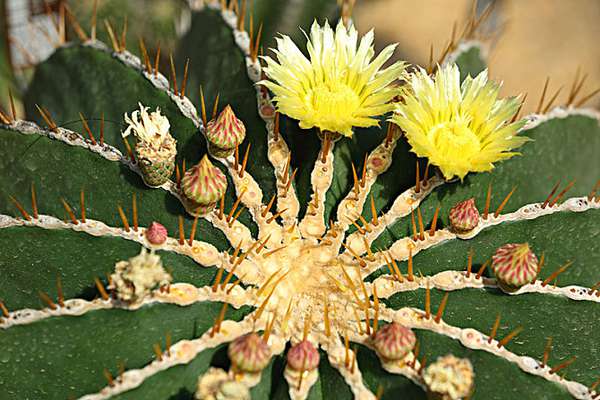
[(134, 279), (224, 133), (339, 86), (155, 148), (449, 378), (203, 185), (460, 128)]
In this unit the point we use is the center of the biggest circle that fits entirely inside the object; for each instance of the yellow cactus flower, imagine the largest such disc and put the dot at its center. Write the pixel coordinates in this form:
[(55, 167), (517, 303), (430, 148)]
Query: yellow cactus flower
[(339, 86), (459, 128)]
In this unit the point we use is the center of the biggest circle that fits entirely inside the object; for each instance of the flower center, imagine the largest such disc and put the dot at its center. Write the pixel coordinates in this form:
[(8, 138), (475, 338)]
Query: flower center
[(332, 101), (455, 141)]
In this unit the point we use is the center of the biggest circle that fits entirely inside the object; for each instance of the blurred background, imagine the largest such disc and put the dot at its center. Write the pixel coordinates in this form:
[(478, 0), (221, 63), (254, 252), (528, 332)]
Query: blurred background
[(534, 38), (528, 40)]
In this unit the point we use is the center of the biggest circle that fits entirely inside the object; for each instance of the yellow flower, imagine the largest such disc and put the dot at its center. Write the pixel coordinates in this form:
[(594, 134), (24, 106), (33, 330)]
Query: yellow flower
[(339, 86), (459, 128)]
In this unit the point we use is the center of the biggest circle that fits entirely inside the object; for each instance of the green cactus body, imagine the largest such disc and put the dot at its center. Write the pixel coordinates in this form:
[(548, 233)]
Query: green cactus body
[(301, 242)]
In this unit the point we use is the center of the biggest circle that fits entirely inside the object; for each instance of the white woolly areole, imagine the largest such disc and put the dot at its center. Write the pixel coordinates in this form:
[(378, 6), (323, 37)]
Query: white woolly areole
[(450, 376), (151, 130), (217, 384), (136, 278)]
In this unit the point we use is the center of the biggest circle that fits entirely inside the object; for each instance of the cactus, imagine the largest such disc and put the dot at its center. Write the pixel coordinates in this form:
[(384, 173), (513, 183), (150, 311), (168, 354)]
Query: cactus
[(331, 245)]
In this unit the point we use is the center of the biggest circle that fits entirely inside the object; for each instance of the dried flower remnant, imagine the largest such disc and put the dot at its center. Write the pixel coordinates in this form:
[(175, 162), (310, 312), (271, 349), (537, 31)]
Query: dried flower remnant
[(155, 148), (449, 378), (134, 279), (217, 384)]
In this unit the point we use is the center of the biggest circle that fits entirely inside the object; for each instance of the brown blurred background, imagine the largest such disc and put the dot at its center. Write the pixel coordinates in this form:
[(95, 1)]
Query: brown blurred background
[(538, 38)]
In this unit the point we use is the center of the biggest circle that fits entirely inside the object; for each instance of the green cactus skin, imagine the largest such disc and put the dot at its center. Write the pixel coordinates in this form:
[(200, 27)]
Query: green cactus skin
[(78, 341)]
